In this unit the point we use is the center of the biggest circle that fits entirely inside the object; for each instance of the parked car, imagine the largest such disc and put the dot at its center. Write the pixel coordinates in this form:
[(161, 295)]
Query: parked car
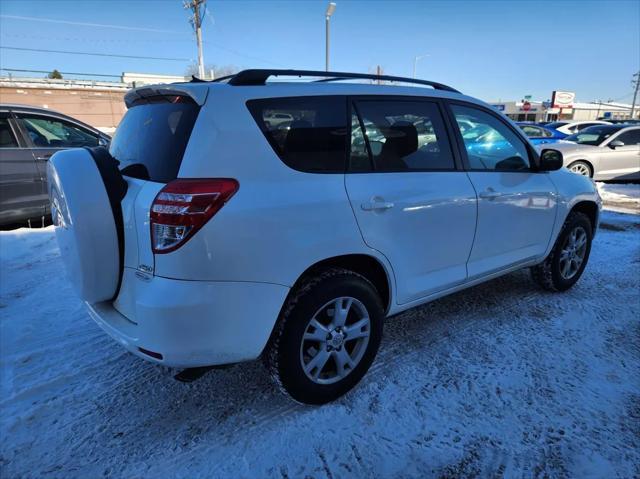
[(539, 135), (571, 127), (28, 138), (628, 121), (275, 119), (603, 152), (202, 249)]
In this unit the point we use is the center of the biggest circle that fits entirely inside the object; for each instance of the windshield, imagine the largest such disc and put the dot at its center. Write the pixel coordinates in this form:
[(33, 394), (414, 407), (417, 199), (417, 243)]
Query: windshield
[(594, 135), (153, 136)]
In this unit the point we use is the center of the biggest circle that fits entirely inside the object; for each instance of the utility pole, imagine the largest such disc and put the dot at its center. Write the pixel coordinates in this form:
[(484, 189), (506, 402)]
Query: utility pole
[(196, 22), (635, 93)]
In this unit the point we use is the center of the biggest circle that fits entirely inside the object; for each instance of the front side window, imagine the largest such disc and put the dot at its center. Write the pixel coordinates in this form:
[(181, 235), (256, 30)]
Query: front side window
[(630, 138), (491, 144), (307, 133), (47, 132), (7, 138), (405, 135)]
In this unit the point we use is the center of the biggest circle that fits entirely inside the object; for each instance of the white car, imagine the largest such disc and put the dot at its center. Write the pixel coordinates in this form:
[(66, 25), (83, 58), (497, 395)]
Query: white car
[(571, 127), (603, 152), (205, 237)]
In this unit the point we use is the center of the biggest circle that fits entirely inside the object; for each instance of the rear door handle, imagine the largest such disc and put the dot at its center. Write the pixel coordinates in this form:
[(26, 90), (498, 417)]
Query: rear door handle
[(377, 205), (490, 194), (44, 157)]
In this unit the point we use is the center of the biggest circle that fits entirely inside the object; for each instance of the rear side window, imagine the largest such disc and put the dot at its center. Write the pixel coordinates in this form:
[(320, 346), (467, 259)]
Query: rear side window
[(153, 135), (307, 133), (7, 140), (49, 132), (404, 136)]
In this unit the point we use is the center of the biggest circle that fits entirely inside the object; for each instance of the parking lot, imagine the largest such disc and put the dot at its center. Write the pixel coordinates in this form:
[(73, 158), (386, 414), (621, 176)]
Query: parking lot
[(501, 380)]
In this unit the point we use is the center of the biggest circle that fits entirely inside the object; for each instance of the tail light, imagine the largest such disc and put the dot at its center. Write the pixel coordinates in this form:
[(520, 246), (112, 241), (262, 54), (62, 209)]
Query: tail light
[(183, 206)]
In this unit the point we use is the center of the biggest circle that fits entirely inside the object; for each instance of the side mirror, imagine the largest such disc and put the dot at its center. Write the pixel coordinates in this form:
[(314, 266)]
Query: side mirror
[(102, 141), (615, 144), (550, 160)]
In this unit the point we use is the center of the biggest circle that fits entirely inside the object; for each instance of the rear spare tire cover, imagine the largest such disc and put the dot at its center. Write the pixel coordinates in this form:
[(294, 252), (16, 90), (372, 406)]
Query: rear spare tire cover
[(84, 224)]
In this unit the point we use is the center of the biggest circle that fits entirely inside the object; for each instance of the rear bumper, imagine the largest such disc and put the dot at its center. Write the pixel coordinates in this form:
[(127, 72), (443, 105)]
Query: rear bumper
[(194, 323)]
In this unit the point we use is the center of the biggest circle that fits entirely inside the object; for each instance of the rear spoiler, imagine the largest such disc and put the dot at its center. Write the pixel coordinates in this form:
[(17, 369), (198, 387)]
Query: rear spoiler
[(197, 92)]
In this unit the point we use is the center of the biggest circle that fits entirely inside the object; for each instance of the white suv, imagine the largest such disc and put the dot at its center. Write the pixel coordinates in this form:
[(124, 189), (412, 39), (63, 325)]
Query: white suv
[(205, 236)]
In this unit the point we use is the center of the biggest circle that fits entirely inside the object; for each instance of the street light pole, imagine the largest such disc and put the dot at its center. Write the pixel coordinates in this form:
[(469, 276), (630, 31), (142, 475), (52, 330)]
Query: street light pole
[(415, 63), (330, 9)]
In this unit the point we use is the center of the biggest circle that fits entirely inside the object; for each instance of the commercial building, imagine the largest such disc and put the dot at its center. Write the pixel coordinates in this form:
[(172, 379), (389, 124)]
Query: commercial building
[(542, 111), (97, 103)]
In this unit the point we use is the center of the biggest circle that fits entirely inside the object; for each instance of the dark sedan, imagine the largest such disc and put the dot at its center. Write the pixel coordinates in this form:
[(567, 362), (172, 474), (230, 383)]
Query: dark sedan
[(28, 138)]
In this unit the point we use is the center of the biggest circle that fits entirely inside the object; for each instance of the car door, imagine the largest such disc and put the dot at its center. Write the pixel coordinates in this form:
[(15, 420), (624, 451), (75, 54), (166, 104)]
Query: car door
[(516, 204), (47, 135), (410, 200), (19, 177), (621, 162)]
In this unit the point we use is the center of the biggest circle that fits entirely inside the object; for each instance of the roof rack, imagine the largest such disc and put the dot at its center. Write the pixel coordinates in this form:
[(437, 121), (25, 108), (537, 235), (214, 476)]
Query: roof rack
[(260, 76)]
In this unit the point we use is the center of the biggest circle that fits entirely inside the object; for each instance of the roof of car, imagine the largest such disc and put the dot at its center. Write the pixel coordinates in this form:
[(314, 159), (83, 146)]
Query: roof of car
[(46, 111)]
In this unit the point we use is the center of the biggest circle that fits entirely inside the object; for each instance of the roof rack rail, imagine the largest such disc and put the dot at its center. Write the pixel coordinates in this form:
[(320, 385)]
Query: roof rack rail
[(260, 76)]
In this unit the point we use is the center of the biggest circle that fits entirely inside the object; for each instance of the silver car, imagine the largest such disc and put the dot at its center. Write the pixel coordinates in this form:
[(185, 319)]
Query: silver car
[(603, 152)]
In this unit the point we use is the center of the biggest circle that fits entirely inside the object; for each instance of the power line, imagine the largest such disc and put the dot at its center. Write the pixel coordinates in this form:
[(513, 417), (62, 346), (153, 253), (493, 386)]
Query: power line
[(64, 73), (96, 54), (95, 25)]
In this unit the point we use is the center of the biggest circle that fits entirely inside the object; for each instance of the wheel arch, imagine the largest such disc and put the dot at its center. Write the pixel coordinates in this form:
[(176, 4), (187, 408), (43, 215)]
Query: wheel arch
[(366, 265), (591, 210)]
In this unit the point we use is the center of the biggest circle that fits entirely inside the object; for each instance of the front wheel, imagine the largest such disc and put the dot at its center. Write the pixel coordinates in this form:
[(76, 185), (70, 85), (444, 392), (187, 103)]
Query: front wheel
[(327, 336), (580, 168), (568, 258)]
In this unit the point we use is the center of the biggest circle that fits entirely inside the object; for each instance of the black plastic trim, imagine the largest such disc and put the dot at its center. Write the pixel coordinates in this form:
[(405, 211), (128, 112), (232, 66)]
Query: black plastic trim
[(116, 187)]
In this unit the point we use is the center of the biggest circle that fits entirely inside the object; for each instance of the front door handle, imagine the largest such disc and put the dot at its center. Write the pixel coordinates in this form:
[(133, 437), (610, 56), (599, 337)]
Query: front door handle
[(44, 157), (377, 205), (490, 194)]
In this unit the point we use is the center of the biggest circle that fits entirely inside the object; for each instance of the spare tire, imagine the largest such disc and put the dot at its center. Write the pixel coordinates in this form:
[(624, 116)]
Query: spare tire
[(85, 190)]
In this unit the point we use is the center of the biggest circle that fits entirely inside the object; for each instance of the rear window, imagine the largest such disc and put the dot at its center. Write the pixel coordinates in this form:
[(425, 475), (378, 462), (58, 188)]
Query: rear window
[(307, 133), (151, 138)]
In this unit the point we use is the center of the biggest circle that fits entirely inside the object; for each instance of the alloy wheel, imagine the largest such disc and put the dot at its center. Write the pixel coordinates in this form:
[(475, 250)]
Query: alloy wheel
[(335, 340), (573, 252), (580, 169)]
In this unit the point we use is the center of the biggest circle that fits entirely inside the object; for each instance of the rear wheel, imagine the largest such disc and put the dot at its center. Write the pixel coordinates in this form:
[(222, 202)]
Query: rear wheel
[(580, 168), (568, 258), (327, 336)]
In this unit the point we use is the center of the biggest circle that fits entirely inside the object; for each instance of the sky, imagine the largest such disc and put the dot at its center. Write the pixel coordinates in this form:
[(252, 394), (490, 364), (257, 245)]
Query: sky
[(493, 50)]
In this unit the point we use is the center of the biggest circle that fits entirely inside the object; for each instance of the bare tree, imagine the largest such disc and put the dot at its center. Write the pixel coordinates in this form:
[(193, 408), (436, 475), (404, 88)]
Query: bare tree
[(218, 70)]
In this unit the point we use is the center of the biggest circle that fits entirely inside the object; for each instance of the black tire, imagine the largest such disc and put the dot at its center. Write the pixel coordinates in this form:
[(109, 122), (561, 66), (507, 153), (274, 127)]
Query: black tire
[(283, 354), (548, 274), (583, 164)]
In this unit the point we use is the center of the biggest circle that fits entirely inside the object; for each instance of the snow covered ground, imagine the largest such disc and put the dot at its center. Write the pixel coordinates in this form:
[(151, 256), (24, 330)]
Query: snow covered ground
[(502, 380), (623, 197)]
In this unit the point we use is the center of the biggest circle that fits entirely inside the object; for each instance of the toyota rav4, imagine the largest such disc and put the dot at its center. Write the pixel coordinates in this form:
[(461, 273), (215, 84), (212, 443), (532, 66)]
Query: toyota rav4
[(207, 234)]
